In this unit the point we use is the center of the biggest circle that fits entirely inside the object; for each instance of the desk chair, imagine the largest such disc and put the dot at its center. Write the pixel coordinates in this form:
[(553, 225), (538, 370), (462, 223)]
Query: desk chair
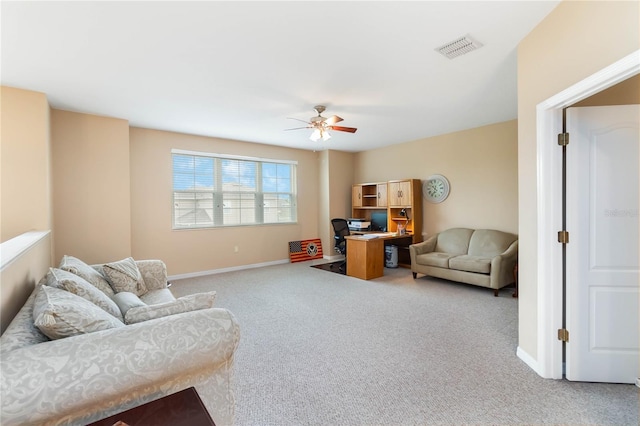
[(341, 230)]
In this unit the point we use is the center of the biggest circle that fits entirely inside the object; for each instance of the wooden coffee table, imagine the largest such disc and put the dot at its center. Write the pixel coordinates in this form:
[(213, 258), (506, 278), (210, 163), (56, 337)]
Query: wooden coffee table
[(184, 408)]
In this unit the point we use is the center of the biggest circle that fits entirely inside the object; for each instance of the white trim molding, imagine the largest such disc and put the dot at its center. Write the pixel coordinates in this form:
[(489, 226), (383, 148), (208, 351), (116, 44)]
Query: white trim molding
[(528, 359), (12, 249), (223, 270), (549, 198)]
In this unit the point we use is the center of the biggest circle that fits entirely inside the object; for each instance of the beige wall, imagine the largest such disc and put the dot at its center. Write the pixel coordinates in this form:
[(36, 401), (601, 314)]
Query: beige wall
[(91, 192), (192, 251), (324, 201), (341, 176), (25, 193), (25, 160), (481, 165), (573, 42), (336, 177)]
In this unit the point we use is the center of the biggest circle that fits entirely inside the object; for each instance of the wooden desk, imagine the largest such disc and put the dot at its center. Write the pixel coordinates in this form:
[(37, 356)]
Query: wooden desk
[(365, 256)]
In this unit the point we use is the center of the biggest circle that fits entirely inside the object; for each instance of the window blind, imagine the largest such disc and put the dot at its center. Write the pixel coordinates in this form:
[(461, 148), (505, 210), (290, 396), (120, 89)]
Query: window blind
[(213, 191)]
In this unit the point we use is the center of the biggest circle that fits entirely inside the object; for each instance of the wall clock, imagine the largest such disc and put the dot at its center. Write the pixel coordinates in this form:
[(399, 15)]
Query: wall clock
[(435, 189)]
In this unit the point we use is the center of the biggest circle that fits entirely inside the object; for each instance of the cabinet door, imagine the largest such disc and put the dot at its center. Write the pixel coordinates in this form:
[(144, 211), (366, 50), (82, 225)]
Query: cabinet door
[(393, 196), (356, 196), (382, 195), (400, 194), (405, 193)]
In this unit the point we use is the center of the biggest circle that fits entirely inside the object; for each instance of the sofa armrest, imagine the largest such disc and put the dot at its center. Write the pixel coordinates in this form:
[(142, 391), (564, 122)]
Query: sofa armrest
[(426, 246), (154, 273), (72, 379), (512, 252), (502, 266), (420, 248)]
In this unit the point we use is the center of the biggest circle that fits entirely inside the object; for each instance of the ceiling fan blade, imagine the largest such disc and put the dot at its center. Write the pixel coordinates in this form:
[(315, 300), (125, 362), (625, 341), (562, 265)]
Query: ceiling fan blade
[(333, 120), (343, 129), (298, 128), (304, 121)]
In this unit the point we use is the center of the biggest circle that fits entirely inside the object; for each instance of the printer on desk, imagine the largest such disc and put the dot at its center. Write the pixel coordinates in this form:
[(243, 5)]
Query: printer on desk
[(356, 224)]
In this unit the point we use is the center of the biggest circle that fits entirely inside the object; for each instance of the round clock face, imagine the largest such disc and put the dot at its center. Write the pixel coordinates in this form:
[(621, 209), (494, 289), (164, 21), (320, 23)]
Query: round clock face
[(436, 188)]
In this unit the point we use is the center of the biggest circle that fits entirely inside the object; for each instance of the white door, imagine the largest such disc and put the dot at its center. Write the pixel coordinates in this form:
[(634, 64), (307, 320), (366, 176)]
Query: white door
[(602, 254)]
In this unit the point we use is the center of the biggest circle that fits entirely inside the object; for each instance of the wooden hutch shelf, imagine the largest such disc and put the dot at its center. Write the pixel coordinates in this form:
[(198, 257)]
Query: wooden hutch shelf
[(401, 200)]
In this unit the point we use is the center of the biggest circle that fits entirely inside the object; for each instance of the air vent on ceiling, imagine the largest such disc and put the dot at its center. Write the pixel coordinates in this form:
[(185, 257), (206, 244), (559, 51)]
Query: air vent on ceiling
[(459, 47)]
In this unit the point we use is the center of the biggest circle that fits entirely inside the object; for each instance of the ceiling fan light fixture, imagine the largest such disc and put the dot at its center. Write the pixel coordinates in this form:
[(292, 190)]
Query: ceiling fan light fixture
[(321, 125), (315, 136)]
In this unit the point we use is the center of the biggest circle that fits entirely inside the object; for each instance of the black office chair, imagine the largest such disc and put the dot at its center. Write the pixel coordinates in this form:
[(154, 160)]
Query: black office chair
[(341, 230)]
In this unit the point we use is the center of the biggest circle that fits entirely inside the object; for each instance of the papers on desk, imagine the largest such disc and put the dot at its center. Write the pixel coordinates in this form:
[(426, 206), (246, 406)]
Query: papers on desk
[(376, 235)]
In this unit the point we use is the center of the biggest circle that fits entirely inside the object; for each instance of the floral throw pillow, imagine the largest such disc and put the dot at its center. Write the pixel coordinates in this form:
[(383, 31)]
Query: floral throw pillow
[(124, 275), (79, 286), (58, 313), (78, 267)]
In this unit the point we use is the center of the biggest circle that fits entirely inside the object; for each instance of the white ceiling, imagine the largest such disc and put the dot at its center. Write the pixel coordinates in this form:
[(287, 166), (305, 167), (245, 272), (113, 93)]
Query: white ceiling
[(238, 69)]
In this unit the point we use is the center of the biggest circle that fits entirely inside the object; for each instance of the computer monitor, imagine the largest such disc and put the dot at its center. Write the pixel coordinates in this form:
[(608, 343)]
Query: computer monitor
[(379, 221)]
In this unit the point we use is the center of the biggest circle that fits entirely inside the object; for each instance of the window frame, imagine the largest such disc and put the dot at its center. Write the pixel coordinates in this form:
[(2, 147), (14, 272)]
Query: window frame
[(217, 192)]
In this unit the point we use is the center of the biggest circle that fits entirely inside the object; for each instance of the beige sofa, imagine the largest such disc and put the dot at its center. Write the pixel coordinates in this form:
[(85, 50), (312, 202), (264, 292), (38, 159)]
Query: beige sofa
[(483, 257), (157, 346)]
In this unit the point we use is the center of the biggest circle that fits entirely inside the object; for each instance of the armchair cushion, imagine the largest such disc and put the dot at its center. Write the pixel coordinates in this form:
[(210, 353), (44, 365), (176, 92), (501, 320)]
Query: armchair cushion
[(468, 263), (436, 258), (489, 242), (124, 275), (454, 241), (59, 313)]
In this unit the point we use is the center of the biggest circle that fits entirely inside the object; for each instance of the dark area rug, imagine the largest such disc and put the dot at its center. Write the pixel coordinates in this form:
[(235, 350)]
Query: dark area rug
[(332, 267)]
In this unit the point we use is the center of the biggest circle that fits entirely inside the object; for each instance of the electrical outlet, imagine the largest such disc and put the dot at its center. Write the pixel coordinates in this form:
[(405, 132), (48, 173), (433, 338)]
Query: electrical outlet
[(236, 249)]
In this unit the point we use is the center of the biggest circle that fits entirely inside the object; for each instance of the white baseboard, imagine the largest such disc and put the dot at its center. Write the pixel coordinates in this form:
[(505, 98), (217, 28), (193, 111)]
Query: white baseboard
[(528, 359), (222, 270), (638, 382)]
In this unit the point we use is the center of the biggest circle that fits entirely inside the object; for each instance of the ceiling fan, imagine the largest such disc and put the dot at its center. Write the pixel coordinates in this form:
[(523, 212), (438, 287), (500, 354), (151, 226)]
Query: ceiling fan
[(321, 125)]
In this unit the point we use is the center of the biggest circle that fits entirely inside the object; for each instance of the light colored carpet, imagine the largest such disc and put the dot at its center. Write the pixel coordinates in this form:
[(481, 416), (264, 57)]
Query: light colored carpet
[(319, 348)]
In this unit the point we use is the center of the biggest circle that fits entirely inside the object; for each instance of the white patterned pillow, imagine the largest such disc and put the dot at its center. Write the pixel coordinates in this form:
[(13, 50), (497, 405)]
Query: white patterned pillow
[(125, 276), (192, 302), (127, 300), (58, 314), (78, 267), (79, 286)]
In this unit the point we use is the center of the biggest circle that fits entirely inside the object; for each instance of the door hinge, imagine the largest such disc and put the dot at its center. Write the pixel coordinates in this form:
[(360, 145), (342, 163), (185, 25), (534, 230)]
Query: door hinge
[(563, 139), (563, 237), (563, 334)]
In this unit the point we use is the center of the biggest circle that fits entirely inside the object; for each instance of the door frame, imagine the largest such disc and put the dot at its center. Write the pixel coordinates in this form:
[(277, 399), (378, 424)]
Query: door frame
[(549, 207)]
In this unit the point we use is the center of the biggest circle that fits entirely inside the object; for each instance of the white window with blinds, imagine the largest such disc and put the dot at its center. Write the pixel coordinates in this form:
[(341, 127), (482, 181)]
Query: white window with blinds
[(212, 190)]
